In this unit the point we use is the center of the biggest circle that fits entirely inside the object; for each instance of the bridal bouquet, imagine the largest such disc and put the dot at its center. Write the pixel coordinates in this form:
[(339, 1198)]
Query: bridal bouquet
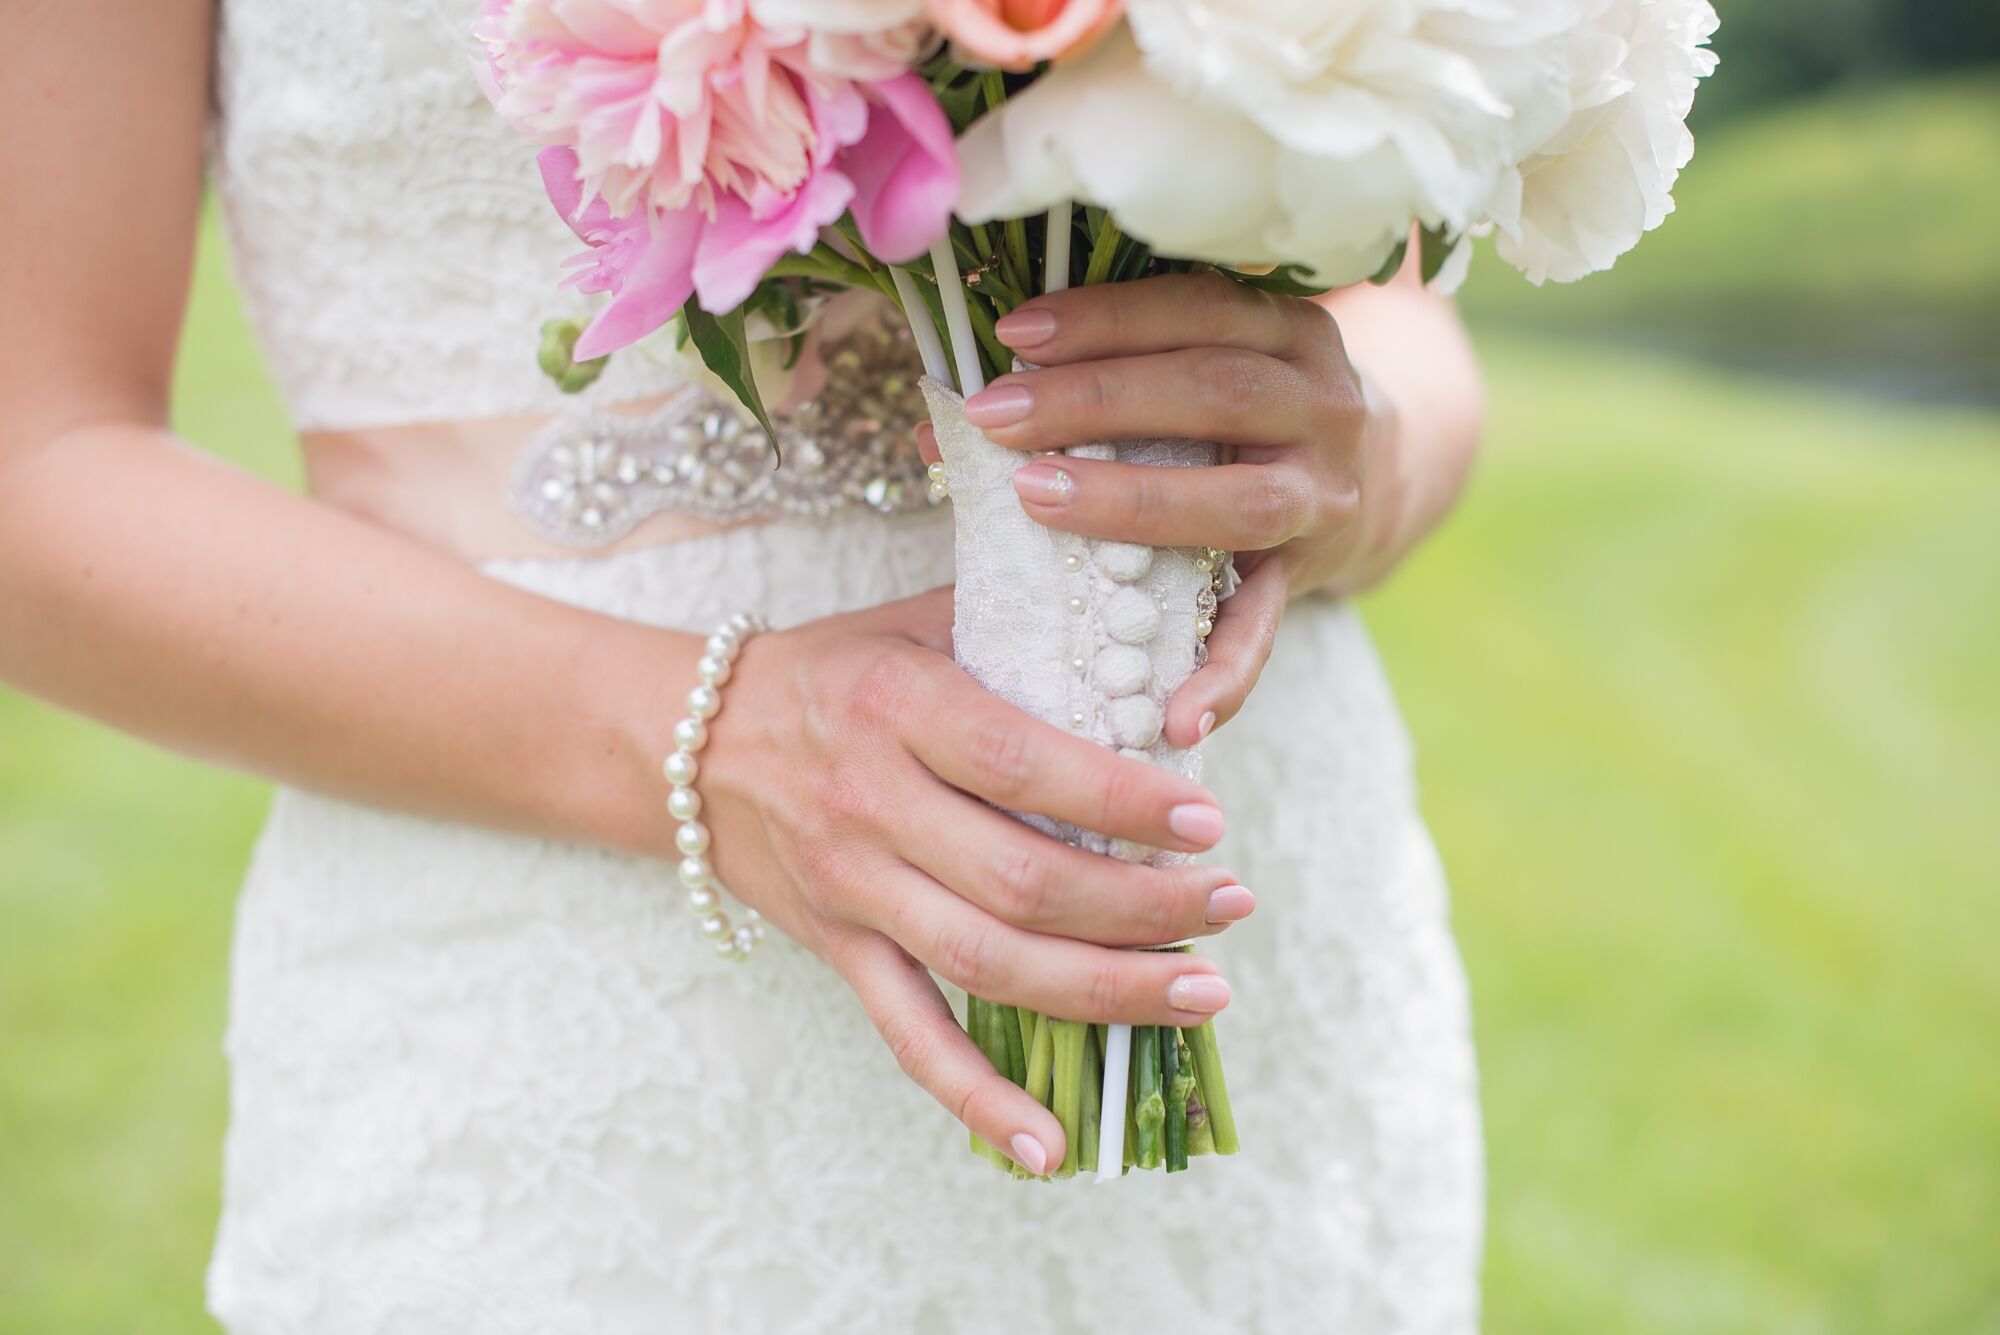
[(729, 164)]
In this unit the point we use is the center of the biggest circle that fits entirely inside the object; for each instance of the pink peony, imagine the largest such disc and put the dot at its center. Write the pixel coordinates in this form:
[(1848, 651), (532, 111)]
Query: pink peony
[(1020, 34), (692, 146)]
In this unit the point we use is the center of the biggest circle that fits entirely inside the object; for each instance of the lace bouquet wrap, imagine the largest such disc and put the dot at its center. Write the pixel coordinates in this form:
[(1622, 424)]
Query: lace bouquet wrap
[(1092, 636), (727, 166)]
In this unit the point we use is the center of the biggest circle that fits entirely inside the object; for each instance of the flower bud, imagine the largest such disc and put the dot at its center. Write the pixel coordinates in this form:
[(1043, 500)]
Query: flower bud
[(557, 357)]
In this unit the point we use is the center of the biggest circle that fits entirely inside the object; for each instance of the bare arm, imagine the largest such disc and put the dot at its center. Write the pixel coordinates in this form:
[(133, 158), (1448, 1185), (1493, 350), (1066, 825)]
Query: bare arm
[(160, 590), (157, 589)]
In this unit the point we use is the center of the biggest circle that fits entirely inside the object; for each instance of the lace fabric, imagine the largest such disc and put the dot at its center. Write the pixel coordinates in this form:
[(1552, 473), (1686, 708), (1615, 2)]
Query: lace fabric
[(486, 1083)]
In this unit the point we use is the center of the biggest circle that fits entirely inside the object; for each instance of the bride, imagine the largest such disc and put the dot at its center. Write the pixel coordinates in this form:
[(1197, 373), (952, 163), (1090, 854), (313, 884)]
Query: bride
[(486, 1075)]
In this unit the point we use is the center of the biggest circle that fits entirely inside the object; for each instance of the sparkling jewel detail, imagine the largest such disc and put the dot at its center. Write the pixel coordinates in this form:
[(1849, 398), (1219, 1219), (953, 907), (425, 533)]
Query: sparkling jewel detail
[(704, 892), (588, 479)]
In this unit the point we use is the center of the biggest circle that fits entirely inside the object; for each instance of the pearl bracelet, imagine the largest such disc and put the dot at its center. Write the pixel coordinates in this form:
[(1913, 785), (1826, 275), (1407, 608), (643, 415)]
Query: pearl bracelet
[(705, 891)]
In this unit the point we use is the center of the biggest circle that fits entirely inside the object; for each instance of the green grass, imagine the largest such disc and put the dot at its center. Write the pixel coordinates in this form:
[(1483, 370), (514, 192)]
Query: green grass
[(1848, 238), (1706, 682)]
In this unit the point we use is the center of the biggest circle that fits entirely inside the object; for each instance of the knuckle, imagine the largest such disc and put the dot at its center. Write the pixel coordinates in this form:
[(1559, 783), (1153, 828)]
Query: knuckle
[(823, 874), (1232, 379), (998, 754), (965, 956), (882, 691), (1163, 912), (912, 1043), (1273, 509), (1123, 792), (1107, 991), (1026, 886)]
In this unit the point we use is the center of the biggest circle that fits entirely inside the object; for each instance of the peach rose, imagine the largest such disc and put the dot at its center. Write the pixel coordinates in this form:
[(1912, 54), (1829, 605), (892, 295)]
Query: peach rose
[(1020, 34)]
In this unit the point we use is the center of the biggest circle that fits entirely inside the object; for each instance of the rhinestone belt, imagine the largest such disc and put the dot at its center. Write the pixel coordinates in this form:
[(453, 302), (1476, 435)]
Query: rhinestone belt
[(589, 478)]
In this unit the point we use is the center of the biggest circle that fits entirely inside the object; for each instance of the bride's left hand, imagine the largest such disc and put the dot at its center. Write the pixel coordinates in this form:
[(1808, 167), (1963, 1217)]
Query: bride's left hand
[(1201, 357)]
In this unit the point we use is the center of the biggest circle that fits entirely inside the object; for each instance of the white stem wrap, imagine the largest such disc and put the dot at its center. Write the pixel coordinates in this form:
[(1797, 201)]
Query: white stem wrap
[(1090, 636)]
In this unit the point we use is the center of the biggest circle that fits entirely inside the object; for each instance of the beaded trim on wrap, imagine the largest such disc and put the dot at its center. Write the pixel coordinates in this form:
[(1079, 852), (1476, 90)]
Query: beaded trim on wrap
[(589, 478)]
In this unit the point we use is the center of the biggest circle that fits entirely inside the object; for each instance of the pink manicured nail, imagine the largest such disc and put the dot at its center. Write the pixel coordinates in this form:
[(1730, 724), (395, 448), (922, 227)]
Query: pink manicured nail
[(1002, 405), (1028, 1153), (1232, 903), (1206, 726), (1026, 329), (1198, 823), (1200, 993), (1045, 484)]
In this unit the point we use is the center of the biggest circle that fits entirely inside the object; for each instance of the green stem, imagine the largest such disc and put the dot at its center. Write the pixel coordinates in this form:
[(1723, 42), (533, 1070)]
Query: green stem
[(1214, 1087), (1042, 1061), (1093, 1103), (1151, 1112), (1009, 1024), (1103, 252), (1068, 1107), (1025, 1019), (982, 1024), (1178, 1086)]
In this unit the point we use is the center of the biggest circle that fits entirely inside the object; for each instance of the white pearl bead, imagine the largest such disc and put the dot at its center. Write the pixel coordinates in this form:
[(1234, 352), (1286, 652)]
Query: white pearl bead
[(742, 623), (1078, 665), (684, 804), (714, 671), (725, 647), (1076, 605), (703, 902), (726, 950), (1135, 721), (1072, 563), (682, 769), (696, 873), (1126, 562), (1204, 628), (745, 939), (1123, 669), (1130, 617), (716, 928), (704, 702), (691, 734), (692, 839)]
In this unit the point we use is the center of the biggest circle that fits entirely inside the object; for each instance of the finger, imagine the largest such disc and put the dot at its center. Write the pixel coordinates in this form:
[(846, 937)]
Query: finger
[(1163, 314), (1223, 394), (1024, 877), (916, 1022), (1245, 631), (980, 744), (993, 959), (1235, 507), (927, 445)]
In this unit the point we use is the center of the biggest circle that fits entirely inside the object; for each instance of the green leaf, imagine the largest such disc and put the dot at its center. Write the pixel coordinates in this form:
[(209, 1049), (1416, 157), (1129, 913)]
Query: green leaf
[(1392, 266), (1435, 249), (1287, 280), (725, 350)]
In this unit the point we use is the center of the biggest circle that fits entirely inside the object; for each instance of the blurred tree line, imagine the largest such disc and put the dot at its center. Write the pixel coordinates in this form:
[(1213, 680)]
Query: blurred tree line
[(1774, 49)]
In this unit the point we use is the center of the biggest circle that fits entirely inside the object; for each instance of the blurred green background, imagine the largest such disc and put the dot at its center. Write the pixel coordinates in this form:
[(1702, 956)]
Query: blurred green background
[(1706, 683)]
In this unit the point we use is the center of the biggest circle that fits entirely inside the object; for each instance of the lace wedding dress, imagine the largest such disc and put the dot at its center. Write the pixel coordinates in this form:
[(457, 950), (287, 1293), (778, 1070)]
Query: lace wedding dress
[(490, 1084)]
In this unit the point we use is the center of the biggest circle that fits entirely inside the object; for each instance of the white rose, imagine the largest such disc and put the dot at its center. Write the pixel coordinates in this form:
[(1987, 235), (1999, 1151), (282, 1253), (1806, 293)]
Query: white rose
[(1262, 131), (1586, 195)]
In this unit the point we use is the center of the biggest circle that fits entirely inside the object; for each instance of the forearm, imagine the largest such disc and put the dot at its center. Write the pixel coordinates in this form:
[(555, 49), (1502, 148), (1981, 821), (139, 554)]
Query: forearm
[(163, 592), (1426, 406)]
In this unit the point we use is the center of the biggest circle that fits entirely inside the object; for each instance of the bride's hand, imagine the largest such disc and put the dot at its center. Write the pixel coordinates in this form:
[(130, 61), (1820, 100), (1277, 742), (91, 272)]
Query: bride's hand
[(847, 784), (1209, 358)]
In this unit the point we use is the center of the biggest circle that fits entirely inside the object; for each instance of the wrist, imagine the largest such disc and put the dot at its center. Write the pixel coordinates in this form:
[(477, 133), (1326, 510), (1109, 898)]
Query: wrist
[(632, 684)]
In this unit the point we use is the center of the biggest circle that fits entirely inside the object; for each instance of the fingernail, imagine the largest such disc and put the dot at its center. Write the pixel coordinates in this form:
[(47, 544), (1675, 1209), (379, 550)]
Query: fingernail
[(1232, 903), (1201, 993), (1002, 405), (1026, 328), (1028, 1153), (1045, 484), (1198, 823), (1205, 727)]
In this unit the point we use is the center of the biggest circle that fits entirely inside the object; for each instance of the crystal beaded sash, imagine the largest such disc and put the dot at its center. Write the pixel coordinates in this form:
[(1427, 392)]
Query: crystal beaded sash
[(589, 478)]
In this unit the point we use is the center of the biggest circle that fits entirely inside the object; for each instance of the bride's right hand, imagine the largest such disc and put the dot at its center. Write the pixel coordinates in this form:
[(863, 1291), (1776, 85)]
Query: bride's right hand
[(848, 781)]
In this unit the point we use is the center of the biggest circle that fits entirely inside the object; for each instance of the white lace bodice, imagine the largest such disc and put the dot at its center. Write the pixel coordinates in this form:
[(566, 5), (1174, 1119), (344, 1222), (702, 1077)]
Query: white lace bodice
[(388, 231)]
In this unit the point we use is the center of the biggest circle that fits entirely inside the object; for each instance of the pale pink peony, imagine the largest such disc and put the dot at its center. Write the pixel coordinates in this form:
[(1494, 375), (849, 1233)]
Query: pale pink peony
[(692, 145), (1020, 34)]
